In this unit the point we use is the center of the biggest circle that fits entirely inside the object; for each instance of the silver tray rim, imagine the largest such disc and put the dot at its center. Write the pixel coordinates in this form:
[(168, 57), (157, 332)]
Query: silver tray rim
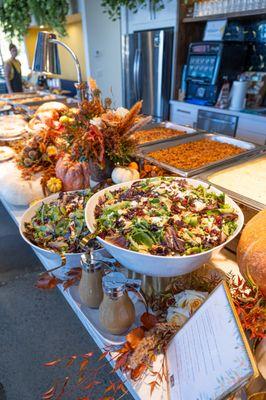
[(254, 149), (246, 201)]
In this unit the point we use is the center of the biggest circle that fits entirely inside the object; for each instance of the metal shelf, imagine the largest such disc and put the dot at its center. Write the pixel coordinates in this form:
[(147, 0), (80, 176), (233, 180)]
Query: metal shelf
[(233, 15)]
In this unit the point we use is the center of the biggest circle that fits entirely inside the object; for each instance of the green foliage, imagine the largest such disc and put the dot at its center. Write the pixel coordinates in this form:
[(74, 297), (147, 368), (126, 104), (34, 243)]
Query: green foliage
[(112, 7), (15, 17)]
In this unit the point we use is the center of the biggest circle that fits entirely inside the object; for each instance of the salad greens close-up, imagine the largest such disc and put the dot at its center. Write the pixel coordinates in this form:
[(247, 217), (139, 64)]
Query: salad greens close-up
[(60, 225), (165, 216)]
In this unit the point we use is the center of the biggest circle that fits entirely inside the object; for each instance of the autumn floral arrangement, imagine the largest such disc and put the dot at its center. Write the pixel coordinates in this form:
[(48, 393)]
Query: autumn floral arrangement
[(68, 145), (142, 357)]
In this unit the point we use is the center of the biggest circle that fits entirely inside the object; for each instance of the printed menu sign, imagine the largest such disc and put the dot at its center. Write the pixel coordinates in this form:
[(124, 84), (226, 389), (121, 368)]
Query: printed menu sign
[(209, 357)]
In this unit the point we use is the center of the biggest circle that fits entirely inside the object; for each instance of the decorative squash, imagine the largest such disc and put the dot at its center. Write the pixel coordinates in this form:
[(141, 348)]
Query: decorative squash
[(54, 185), (16, 190), (251, 251), (124, 174), (73, 174), (133, 165)]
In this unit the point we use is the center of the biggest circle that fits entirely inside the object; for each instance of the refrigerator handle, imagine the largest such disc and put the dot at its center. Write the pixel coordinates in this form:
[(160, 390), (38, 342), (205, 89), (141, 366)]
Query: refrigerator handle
[(136, 68), (138, 74), (135, 73)]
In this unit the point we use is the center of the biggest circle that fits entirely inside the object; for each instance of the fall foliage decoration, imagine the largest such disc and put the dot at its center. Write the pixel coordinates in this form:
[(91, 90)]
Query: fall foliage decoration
[(150, 339)]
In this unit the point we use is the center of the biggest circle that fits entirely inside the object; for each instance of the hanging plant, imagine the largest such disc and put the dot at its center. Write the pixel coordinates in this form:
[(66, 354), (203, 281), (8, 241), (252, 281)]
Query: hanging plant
[(113, 7), (15, 17), (51, 13)]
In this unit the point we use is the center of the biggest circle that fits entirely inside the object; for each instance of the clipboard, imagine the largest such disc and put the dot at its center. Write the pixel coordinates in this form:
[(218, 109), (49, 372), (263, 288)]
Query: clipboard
[(217, 365)]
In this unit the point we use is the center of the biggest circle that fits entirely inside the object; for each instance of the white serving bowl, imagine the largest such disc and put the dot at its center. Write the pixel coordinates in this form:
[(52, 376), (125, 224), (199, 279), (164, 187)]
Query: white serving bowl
[(54, 260), (152, 265)]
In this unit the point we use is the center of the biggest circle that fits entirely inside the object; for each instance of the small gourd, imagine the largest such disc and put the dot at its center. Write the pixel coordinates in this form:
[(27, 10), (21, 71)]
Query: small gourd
[(54, 185), (124, 174)]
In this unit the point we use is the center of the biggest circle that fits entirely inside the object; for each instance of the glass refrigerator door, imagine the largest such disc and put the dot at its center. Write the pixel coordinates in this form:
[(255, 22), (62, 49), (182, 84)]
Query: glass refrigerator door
[(148, 71)]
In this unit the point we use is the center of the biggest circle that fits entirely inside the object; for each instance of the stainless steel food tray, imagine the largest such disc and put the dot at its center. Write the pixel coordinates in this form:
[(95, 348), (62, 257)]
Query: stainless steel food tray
[(243, 200), (17, 96), (40, 102), (170, 125), (250, 148)]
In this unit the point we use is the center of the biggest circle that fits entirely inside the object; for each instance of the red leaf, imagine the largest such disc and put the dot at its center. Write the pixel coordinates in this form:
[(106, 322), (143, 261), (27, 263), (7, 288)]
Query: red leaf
[(52, 363), (69, 282), (135, 336), (49, 394), (83, 364), (137, 372), (47, 282), (74, 272), (148, 320), (120, 362), (84, 398)]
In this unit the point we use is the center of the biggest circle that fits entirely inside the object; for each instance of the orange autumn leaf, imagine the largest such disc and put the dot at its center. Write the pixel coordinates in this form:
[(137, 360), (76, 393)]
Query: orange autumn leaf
[(110, 388), (137, 372), (81, 379), (152, 386), (83, 364), (125, 349), (135, 336), (102, 356), (49, 394), (71, 360), (148, 320), (52, 363), (122, 387), (87, 355)]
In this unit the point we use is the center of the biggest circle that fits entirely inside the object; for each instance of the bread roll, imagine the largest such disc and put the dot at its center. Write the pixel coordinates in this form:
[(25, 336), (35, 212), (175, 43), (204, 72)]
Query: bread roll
[(251, 251), (52, 105)]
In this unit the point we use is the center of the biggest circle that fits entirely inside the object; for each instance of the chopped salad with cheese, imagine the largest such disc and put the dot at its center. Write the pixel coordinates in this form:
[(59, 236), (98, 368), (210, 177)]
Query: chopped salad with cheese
[(165, 216)]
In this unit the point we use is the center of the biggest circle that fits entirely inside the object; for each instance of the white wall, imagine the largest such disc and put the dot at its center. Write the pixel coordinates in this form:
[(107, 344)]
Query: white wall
[(103, 48)]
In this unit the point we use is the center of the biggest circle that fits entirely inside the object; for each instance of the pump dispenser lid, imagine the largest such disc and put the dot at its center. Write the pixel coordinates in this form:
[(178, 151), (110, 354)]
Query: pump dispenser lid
[(89, 263)]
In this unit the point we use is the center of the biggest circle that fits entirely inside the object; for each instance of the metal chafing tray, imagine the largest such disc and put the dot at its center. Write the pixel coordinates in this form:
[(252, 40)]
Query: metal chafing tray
[(170, 125), (250, 149), (39, 102), (239, 198), (16, 96), (248, 206)]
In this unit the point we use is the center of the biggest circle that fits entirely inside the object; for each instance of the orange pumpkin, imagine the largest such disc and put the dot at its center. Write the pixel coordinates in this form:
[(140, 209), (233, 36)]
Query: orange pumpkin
[(73, 174)]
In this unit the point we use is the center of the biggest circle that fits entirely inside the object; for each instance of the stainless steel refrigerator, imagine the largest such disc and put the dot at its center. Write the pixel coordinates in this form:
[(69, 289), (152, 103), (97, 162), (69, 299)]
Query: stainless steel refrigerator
[(147, 67)]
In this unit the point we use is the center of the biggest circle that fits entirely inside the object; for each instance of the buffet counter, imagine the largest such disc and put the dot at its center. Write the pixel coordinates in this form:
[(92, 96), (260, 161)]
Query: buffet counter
[(225, 261), (166, 226)]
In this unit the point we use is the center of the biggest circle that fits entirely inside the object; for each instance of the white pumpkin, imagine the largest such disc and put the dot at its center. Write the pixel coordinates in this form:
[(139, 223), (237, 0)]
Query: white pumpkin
[(124, 174), (16, 190)]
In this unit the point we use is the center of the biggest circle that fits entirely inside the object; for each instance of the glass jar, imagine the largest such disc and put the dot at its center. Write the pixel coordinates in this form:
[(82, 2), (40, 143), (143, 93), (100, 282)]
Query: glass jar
[(117, 311), (90, 285)]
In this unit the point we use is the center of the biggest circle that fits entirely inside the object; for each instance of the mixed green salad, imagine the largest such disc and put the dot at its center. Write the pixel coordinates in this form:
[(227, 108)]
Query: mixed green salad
[(166, 217), (60, 225)]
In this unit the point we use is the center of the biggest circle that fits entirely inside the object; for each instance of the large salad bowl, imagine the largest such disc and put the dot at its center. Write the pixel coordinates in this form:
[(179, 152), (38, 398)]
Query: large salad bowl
[(156, 265)]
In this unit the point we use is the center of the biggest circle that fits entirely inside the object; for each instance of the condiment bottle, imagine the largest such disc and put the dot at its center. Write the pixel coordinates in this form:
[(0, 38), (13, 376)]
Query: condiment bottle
[(117, 312), (90, 285)]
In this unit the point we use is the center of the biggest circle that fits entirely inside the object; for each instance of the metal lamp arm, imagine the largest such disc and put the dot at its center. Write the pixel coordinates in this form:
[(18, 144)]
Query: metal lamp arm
[(73, 56), (81, 87)]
